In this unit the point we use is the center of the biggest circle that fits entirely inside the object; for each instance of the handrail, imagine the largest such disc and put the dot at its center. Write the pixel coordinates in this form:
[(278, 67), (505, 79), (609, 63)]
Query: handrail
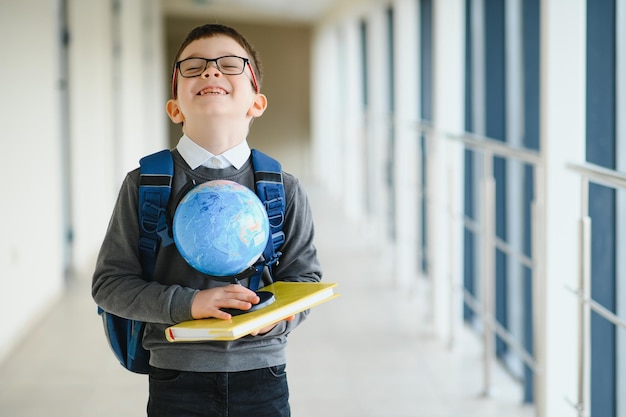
[(600, 175), (498, 148)]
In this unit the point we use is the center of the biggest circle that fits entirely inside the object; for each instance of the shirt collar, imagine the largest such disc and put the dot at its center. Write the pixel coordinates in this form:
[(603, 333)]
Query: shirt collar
[(195, 155)]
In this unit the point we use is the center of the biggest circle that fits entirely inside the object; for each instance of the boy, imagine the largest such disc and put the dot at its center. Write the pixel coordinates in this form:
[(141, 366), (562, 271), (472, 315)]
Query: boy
[(215, 87)]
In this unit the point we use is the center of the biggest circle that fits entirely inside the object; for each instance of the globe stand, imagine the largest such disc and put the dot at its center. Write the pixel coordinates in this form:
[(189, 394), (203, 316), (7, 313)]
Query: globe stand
[(266, 298)]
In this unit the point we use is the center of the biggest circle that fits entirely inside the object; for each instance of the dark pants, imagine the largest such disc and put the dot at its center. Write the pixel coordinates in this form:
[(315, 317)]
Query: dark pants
[(258, 393)]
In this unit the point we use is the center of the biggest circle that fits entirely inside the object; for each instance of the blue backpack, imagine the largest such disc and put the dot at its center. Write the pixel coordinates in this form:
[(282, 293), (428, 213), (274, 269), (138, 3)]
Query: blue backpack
[(155, 184)]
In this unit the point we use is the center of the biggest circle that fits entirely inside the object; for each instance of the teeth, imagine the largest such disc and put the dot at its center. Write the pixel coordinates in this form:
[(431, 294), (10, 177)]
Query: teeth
[(213, 91)]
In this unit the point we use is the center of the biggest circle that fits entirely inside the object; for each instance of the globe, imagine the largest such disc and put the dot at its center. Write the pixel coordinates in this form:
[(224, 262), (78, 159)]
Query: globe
[(220, 228)]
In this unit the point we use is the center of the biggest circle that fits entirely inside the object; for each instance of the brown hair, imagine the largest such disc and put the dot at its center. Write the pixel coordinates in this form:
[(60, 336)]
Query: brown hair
[(210, 30)]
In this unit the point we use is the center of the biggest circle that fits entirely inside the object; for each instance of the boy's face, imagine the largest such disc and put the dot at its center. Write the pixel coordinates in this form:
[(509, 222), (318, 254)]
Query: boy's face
[(213, 94)]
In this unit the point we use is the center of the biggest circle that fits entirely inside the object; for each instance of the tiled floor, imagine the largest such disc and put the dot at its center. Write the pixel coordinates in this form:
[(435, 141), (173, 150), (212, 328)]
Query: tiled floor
[(365, 354)]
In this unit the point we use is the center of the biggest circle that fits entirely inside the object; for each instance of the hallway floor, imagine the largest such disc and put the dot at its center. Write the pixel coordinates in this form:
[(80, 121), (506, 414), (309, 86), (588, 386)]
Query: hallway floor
[(368, 353)]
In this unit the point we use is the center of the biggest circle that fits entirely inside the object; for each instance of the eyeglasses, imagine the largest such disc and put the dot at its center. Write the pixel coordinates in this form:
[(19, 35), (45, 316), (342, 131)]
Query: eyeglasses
[(227, 65)]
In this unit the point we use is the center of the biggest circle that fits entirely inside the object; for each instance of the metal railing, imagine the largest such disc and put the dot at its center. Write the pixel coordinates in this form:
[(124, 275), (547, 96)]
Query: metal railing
[(484, 228), (589, 173), (488, 149)]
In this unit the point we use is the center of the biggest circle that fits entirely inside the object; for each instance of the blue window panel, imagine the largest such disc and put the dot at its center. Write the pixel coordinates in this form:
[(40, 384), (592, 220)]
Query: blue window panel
[(601, 61), (391, 58), (528, 287), (495, 68), (601, 150), (469, 73), (603, 288), (531, 36), (364, 66), (426, 105), (391, 142), (501, 271), (531, 33), (495, 110), (424, 208), (469, 238), (426, 61), (469, 244)]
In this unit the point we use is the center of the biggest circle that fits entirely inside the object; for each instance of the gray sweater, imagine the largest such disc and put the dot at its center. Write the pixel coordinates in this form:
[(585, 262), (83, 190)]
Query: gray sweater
[(118, 286)]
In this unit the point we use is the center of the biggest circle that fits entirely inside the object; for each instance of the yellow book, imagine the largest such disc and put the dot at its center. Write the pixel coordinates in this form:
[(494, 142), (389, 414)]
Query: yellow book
[(291, 298)]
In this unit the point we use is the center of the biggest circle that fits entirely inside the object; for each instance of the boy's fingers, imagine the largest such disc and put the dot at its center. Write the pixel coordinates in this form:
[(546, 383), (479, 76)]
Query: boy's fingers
[(240, 290), (219, 314), (207, 303), (236, 304)]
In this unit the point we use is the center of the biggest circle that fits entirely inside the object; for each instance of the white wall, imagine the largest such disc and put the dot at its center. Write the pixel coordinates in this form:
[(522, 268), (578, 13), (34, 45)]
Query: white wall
[(406, 163), (562, 141), (115, 116), (445, 160), (325, 110), (31, 256), (117, 109), (91, 128)]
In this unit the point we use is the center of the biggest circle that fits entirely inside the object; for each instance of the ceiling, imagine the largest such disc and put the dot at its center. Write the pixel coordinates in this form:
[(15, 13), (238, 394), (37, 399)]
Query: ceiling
[(297, 11)]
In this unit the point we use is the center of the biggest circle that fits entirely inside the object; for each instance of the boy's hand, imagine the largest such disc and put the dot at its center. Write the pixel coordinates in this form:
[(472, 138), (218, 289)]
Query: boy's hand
[(270, 327), (207, 303)]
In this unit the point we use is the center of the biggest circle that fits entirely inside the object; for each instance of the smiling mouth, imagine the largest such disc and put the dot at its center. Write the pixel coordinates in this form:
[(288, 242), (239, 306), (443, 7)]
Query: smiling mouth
[(213, 91)]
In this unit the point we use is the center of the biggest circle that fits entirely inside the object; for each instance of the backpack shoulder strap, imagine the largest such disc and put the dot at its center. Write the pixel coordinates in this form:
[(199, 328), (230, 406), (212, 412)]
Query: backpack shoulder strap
[(155, 185), (269, 186)]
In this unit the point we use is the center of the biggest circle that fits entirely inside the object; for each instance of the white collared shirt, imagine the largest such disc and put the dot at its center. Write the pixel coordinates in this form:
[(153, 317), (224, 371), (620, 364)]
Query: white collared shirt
[(195, 155)]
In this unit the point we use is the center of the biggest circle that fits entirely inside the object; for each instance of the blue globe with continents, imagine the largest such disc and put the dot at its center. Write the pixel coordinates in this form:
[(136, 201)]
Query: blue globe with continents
[(220, 228)]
